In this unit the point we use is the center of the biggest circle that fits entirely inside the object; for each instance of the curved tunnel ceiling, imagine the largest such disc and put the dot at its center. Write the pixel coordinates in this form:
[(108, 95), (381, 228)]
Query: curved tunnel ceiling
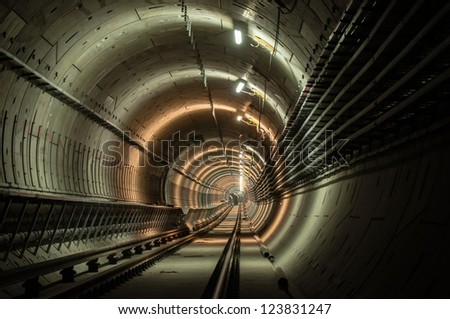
[(144, 58), (162, 68), (152, 67)]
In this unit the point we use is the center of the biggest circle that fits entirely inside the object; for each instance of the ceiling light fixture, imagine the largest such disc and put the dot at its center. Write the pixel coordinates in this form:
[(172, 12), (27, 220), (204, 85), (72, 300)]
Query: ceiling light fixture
[(238, 36), (240, 86)]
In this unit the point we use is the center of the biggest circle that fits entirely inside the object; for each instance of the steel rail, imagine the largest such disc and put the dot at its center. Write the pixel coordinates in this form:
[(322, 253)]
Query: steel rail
[(93, 285), (21, 274), (130, 268), (31, 273), (224, 281)]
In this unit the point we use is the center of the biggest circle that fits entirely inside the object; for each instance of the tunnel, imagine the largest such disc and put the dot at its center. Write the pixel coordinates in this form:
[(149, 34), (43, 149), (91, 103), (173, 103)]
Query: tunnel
[(224, 149)]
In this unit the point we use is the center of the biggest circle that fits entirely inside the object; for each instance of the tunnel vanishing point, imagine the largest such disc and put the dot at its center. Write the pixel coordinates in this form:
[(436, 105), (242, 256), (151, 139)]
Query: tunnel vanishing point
[(224, 149)]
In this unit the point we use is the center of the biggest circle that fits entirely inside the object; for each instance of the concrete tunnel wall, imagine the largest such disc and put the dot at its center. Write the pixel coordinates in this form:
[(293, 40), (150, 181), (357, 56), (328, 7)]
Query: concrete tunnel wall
[(379, 229), (362, 232), (49, 147)]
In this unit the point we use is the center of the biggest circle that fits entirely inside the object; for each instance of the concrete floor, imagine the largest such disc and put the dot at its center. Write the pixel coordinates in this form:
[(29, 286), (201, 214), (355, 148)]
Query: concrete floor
[(185, 274)]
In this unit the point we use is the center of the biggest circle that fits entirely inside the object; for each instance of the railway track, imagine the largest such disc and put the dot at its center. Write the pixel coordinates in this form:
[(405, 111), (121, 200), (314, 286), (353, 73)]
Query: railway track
[(107, 267), (228, 261), (151, 263)]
